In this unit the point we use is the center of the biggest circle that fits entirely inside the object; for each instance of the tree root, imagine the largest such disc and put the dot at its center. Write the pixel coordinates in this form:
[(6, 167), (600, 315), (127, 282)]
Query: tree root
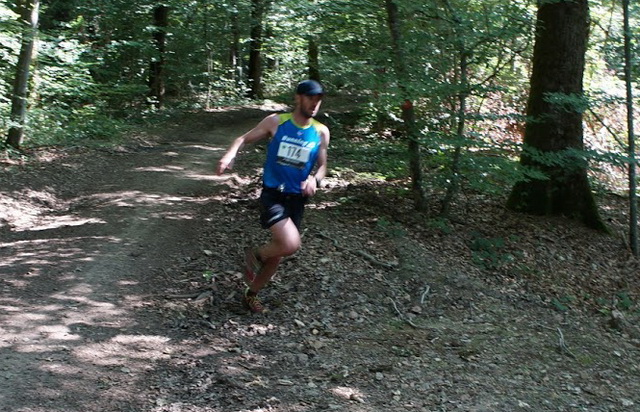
[(404, 318), (361, 253)]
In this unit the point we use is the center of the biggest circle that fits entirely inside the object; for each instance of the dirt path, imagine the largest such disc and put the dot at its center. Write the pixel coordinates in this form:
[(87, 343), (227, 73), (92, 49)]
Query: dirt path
[(119, 291), (83, 243)]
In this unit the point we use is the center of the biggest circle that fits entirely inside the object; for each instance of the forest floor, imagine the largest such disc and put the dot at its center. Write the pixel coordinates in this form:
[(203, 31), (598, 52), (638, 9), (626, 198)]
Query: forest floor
[(120, 290)]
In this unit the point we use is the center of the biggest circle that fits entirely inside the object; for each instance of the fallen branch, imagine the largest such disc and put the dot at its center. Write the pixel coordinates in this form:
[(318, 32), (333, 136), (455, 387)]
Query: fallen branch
[(404, 318), (563, 345), (561, 342), (185, 296), (386, 265), (195, 295), (424, 294)]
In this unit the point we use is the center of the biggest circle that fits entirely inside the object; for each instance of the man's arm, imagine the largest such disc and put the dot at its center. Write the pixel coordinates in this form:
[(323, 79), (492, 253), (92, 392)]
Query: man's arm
[(312, 183), (266, 128)]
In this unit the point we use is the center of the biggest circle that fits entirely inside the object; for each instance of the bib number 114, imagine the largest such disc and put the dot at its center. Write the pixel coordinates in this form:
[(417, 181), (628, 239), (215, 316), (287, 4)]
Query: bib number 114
[(293, 154)]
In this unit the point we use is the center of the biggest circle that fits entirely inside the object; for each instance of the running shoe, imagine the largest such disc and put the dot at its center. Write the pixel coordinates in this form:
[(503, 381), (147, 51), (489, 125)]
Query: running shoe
[(252, 302)]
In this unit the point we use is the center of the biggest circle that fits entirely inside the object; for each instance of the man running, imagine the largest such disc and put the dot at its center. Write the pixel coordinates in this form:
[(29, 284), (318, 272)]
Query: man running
[(298, 145)]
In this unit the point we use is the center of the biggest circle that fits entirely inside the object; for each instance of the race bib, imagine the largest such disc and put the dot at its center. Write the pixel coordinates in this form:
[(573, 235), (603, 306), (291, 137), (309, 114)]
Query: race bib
[(293, 155)]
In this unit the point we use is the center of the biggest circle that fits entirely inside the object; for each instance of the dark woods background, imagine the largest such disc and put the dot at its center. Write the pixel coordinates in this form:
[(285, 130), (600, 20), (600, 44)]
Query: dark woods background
[(520, 99)]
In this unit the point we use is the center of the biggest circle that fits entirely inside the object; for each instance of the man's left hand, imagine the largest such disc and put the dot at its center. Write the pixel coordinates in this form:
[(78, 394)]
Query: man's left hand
[(309, 186)]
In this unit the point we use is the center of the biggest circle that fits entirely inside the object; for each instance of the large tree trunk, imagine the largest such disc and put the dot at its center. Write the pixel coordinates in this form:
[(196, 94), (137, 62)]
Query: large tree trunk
[(558, 64), (313, 54), (234, 51), (633, 195), (454, 183), (156, 69), (28, 11), (408, 113), (258, 11)]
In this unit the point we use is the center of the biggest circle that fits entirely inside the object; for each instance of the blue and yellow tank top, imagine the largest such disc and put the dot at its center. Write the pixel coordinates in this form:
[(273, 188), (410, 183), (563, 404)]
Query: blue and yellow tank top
[(291, 154)]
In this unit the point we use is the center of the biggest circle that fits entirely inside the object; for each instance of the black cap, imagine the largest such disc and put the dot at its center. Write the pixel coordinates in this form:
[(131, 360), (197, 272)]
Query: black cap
[(309, 88)]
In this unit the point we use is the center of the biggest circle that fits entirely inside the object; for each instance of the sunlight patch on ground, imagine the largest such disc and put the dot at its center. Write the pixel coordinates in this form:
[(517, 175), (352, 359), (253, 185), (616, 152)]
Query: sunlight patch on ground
[(233, 179), (164, 169), (29, 332), (208, 148), (182, 173), (58, 368), (14, 214), (61, 221), (127, 283), (39, 251), (347, 393), (58, 333), (136, 198), (24, 279), (171, 216), (323, 205), (272, 106), (28, 209), (129, 352), (204, 177), (265, 105), (78, 295)]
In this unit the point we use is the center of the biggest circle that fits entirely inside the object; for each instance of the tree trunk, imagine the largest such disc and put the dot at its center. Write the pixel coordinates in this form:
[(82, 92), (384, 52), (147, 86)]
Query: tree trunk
[(313, 59), (633, 195), (234, 51), (454, 184), (562, 31), (29, 12), (258, 10), (408, 113), (156, 69)]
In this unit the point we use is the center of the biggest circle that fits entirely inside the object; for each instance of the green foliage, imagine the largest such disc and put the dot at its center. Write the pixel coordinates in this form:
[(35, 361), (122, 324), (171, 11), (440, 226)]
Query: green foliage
[(486, 167), (568, 160), (354, 32), (63, 78), (567, 102), (490, 38), (390, 228), (563, 303), (624, 300), (491, 173), (489, 253), (440, 224), (9, 47), (387, 158), (606, 37), (208, 276), (94, 58), (562, 159), (82, 126)]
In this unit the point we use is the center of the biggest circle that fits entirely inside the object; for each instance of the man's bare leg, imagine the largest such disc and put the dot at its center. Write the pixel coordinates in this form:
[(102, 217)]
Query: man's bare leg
[(285, 241)]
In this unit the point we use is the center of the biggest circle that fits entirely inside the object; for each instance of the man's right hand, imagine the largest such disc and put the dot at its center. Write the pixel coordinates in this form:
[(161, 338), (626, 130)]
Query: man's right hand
[(224, 164)]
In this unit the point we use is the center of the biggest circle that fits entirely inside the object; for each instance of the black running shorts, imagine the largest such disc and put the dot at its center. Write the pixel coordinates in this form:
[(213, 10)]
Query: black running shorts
[(276, 206)]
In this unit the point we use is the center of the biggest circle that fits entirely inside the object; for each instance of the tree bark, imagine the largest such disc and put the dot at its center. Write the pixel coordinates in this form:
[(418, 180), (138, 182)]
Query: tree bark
[(234, 51), (29, 12), (562, 32), (258, 11), (408, 112), (313, 54), (454, 184), (156, 69), (633, 195)]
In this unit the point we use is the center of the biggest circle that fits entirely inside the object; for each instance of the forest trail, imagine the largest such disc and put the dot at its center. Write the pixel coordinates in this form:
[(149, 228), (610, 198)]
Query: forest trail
[(84, 239), (119, 291)]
